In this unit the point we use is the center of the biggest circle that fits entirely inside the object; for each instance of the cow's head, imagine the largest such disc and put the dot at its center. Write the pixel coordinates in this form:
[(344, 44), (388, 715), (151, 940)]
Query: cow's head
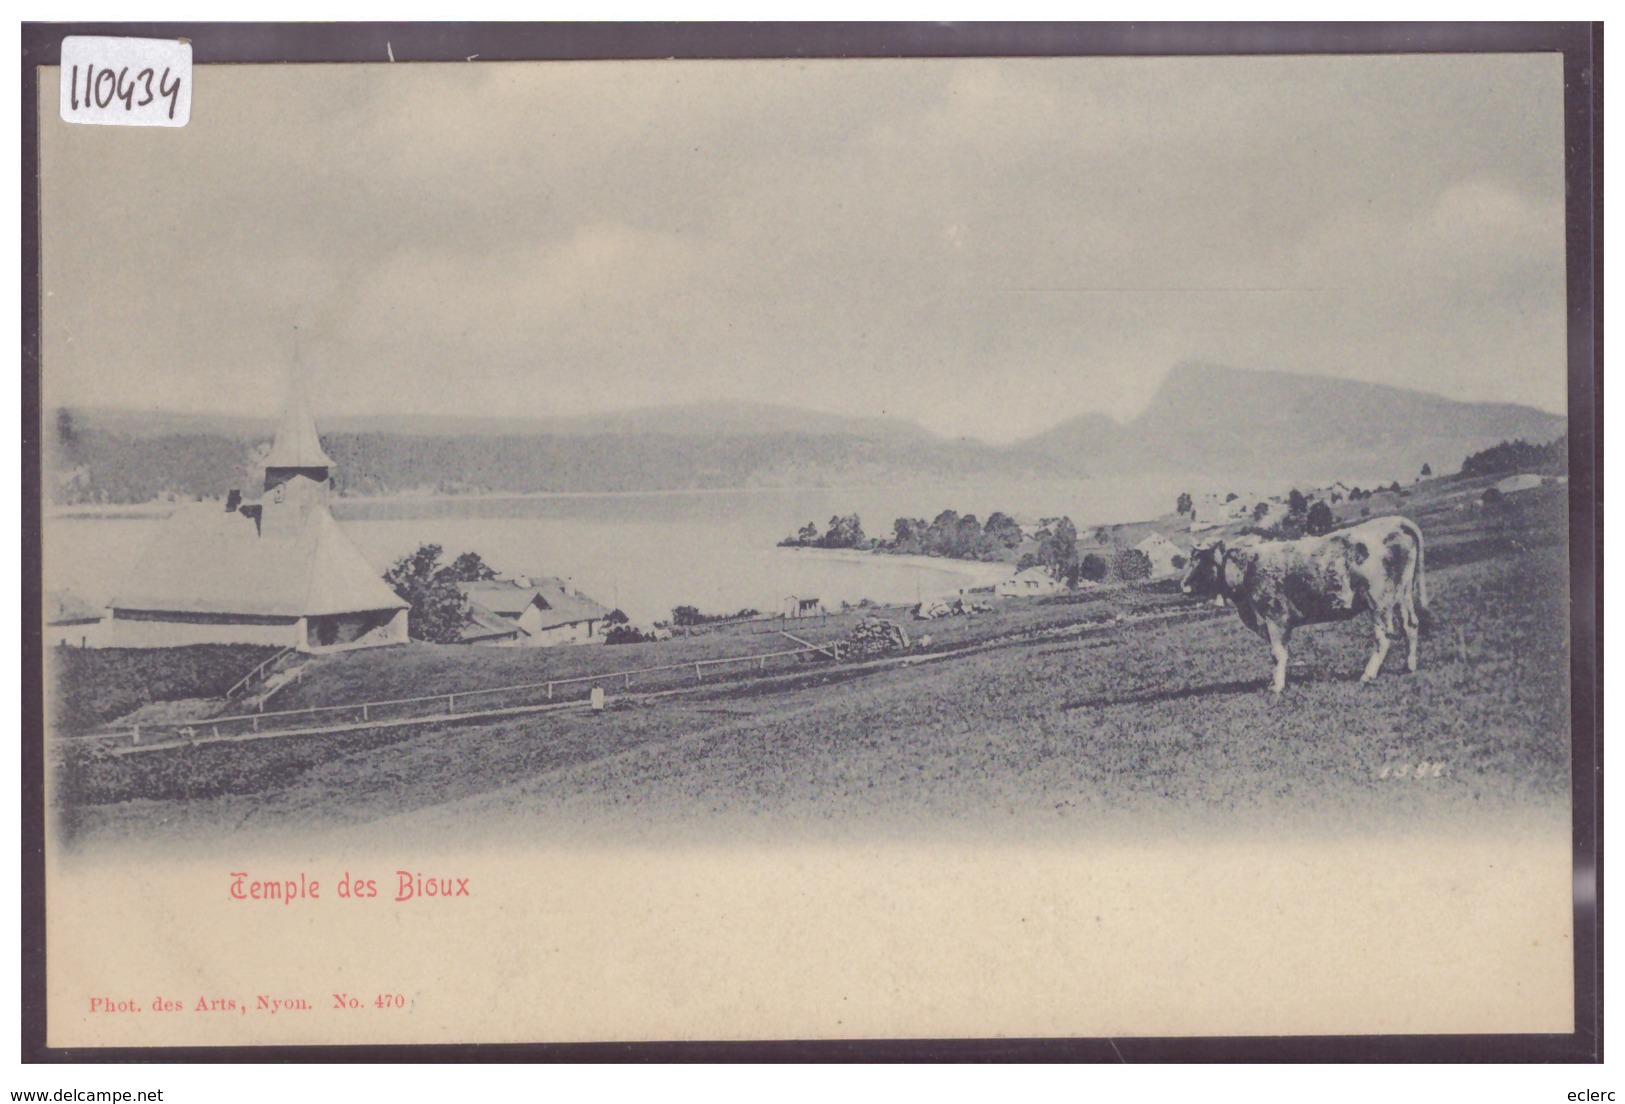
[(1216, 570), (1203, 576)]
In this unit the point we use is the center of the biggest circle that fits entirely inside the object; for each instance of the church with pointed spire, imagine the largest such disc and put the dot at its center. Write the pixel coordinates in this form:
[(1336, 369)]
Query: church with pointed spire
[(278, 571)]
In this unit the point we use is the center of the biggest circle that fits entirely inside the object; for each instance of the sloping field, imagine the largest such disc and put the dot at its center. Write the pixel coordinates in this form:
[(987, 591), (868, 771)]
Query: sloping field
[(1145, 721)]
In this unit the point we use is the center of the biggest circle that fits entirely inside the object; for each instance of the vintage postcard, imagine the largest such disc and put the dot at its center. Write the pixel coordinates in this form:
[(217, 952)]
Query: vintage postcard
[(557, 551)]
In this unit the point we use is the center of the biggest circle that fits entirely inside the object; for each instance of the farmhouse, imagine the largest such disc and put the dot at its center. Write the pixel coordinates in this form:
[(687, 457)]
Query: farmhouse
[(1030, 583), (1166, 557), (525, 612), (278, 571), (796, 606), (1210, 510)]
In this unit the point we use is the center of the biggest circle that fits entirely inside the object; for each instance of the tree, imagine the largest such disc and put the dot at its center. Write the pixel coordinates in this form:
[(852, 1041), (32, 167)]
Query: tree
[(616, 617), (1231, 497), (1183, 505), (1002, 531), (1296, 503), (1094, 567), (1427, 471), (908, 535), (469, 568), (1129, 564), (1058, 547), (844, 532), (1320, 520), (1261, 511), (939, 536), (967, 539), (436, 613), (685, 616)]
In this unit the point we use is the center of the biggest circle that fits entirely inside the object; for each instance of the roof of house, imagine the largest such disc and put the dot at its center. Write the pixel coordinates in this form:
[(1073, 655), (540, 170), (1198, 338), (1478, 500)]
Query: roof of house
[(205, 560), (567, 609), (482, 625), (508, 596), (297, 443), (63, 607), (558, 604)]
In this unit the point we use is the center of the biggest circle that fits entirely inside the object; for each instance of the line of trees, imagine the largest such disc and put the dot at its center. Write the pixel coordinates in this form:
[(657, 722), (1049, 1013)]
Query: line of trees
[(1519, 456), (950, 534)]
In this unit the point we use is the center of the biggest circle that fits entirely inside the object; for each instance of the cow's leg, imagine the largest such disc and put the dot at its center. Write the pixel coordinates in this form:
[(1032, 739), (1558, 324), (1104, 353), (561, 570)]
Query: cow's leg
[(1383, 622), (1278, 638), (1412, 625)]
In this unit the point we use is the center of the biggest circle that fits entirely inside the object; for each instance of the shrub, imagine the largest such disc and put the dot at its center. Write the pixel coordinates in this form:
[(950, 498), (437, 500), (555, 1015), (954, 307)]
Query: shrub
[(1320, 520), (1130, 564), (1094, 567), (626, 634)]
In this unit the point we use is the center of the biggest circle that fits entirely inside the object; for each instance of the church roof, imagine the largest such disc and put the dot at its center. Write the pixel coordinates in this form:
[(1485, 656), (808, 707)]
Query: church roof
[(297, 443), (205, 560)]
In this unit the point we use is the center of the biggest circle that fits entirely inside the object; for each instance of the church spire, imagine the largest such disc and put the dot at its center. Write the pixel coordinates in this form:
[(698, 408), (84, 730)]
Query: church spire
[(297, 449)]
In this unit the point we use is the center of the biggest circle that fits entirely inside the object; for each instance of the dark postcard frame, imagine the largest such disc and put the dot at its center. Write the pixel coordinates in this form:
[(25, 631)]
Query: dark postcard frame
[(1581, 47)]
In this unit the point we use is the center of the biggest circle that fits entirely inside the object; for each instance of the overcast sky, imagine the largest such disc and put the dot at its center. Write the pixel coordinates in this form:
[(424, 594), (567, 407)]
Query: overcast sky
[(984, 247)]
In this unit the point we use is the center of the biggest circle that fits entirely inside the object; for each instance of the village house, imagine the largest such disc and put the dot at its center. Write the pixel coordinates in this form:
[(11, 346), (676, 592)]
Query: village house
[(529, 613), (796, 606), (1034, 582), (1211, 510), (280, 571), (1166, 557)]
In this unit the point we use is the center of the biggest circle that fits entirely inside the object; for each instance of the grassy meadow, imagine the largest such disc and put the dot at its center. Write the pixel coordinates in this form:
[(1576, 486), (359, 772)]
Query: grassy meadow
[(1126, 707)]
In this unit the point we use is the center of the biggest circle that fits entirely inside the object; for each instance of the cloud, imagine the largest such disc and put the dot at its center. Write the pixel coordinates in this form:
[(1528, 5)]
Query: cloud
[(986, 246)]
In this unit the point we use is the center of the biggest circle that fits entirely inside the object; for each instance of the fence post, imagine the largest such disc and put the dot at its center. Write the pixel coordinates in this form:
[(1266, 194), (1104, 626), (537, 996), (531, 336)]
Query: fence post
[(364, 711), (137, 733), (550, 691), (450, 702), (629, 682), (697, 676), (256, 723)]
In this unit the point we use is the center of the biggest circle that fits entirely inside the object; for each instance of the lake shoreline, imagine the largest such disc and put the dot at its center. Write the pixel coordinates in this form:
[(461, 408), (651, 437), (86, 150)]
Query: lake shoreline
[(982, 572)]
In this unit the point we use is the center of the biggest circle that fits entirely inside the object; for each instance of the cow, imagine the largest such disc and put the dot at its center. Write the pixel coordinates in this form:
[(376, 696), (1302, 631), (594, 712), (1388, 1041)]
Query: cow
[(1277, 586)]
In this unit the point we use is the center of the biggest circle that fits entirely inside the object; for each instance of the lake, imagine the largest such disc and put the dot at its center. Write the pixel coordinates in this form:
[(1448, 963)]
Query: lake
[(649, 552)]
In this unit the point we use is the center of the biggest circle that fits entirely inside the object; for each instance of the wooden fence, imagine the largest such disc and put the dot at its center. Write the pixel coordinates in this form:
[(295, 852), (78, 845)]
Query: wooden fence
[(445, 705)]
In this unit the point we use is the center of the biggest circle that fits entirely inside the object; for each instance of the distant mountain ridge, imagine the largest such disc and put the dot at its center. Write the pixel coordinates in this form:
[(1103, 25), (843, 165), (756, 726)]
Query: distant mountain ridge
[(727, 419), (1203, 421), (1276, 425)]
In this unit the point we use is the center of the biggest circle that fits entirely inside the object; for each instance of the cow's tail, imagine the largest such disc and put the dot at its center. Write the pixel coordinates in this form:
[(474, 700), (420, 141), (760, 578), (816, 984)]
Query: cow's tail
[(1421, 569)]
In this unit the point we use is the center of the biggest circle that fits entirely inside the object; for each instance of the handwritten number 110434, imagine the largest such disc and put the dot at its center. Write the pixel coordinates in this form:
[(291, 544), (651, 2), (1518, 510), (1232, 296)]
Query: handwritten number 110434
[(104, 86)]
